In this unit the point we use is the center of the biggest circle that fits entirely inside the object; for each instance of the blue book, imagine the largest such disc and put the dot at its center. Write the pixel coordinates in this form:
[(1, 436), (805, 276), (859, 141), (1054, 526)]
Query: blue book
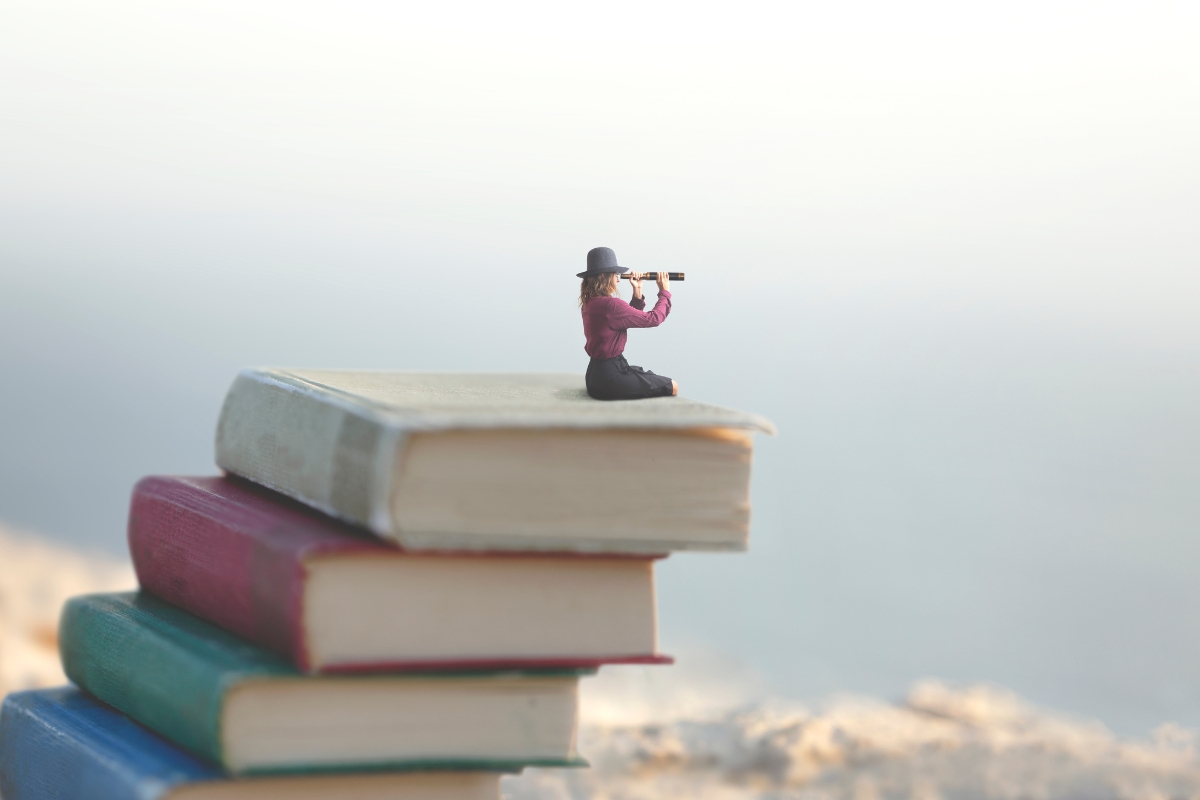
[(62, 744)]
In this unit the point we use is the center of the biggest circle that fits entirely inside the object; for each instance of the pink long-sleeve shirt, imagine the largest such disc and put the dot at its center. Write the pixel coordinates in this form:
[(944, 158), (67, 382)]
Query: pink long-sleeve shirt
[(605, 320)]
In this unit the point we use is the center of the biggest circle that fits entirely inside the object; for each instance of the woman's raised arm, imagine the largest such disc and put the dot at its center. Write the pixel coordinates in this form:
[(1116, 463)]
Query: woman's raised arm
[(623, 315)]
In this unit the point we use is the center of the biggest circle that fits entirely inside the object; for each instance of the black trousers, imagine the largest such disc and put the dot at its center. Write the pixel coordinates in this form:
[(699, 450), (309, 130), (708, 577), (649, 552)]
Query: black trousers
[(616, 379)]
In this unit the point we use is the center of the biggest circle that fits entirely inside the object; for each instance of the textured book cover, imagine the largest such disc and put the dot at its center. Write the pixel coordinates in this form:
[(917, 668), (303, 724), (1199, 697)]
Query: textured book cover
[(494, 461), (242, 557), (180, 676), (62, 744)]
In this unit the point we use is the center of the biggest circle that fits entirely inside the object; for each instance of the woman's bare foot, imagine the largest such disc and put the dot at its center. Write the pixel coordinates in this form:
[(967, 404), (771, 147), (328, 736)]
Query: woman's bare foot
[(674, 387)]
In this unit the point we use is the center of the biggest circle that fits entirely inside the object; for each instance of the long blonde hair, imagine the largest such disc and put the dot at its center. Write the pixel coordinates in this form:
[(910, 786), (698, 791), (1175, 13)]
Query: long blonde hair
[(601, 285)]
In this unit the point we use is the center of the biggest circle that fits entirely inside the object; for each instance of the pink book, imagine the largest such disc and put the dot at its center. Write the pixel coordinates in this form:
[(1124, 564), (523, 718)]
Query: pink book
[(332, 598)]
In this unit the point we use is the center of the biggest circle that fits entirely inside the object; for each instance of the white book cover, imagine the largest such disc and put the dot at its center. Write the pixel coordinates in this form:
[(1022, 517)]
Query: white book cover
[(494, 461)]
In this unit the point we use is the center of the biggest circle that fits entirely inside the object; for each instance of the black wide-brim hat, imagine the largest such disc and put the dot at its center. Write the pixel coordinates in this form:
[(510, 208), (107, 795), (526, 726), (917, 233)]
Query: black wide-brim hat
[(601, 260)]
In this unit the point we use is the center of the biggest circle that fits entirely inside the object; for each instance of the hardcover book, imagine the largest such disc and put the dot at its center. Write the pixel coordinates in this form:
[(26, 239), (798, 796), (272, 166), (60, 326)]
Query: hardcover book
[(331, 598), (251, 712), (494, 461), (62, 744)]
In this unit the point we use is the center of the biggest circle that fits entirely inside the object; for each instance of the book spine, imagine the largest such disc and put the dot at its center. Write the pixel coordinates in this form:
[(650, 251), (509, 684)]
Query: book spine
[(43, 758), (111, 653), (194, 558), (313, 446)]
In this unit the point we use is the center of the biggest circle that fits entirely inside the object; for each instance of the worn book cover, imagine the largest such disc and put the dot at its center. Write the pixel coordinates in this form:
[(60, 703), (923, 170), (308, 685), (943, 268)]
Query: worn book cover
[(494, 461), (251, 712), (62, 744), (331, 598)]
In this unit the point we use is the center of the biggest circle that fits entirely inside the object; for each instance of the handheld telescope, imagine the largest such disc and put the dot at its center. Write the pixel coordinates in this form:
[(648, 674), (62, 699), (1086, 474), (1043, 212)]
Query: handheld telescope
[(650, 276)]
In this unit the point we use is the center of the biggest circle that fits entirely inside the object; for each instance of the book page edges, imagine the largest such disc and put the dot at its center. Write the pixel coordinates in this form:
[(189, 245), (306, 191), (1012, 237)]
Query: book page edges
[(251, 748), (411, 785), (487, 543), (467, 665), (507, 766), (350, 484)]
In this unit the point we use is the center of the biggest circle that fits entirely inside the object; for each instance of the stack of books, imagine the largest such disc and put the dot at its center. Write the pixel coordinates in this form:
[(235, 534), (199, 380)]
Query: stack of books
[(392, 592)]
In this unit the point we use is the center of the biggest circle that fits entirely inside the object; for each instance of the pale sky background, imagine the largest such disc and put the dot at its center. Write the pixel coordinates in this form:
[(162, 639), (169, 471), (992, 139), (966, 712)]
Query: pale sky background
[(950, 250)]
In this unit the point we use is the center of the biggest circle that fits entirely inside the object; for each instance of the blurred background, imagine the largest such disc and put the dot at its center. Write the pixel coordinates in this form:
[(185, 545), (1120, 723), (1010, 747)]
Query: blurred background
[(951, 251)]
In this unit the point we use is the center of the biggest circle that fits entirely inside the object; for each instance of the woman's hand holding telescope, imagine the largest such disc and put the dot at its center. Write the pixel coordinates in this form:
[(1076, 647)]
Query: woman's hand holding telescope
[(662, 278)]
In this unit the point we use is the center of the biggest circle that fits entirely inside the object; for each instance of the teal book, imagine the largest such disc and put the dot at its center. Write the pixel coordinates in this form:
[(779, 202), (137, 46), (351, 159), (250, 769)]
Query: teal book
[(251, 712)]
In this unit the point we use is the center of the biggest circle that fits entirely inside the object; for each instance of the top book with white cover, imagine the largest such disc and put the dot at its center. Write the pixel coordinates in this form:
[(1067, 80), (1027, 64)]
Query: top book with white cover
[(493, 462)]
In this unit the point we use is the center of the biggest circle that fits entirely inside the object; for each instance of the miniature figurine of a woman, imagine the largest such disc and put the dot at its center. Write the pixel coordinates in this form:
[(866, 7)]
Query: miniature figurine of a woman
[(606, 318)]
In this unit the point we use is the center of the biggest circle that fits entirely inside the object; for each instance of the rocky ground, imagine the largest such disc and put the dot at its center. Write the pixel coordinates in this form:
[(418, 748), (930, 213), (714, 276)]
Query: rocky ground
[(940, 743), (35, 578)]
